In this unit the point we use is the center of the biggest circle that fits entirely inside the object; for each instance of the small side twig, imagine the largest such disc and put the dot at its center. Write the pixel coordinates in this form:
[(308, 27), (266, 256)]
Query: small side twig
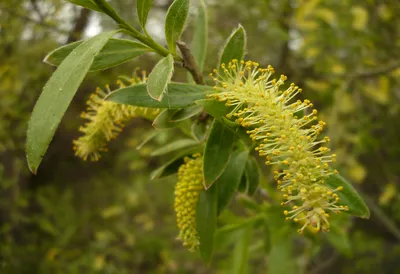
[(378, 71), (190, 63)]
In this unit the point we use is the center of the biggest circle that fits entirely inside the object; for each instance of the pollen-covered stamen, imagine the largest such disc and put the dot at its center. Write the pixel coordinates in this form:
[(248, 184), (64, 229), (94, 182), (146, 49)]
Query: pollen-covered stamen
[(190, 183), (271, 115), (105, 121)]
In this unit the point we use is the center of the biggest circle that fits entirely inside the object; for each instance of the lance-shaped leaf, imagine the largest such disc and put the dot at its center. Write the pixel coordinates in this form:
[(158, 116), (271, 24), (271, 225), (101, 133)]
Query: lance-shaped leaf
[(229, 180), (174, 146), (235, 46), (199, 130), (206, 220), (163, 121), (175, 21), (348, 196), (240, 254), (89, 4), (253, 175), (115, 52), (186, 113), (217, 151), (173, 165), (57, 95), (338, 237), (213, 107), (200, 36), (143, 8), (159, 77), (179, 96)]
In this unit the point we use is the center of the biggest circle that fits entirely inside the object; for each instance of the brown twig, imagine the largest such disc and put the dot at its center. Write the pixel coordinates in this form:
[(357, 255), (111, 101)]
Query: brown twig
[(80, 25), (378, 71), (190, 63)]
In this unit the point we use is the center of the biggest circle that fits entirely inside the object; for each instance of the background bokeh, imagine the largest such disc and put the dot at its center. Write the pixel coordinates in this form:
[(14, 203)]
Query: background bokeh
[(108, 217)]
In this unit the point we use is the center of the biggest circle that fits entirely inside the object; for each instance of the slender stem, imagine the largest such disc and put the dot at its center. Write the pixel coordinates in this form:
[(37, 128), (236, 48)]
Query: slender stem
[(147, 40)]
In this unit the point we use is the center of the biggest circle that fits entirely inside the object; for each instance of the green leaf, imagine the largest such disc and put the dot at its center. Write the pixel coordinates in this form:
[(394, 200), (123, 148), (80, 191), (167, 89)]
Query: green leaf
[(173, 146), (206, 220), (159, 77), (339, 239), (57, 95), (148, 136), (213, 107), (253, 175), (280, 259), (172, 165), (115, 52), (229, 180), (217, 152), (162, 121), (348, 196), (266, 237), (186, 113), (199, 130), (238, 131), (234, 47), (175, 21), (243, 184), (179, 96), (89, 4), (143, 8), (241, 251), (200, 36)]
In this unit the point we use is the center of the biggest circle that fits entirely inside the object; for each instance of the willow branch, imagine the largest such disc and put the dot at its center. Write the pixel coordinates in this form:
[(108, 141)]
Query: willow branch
[(189, 63), (378, 71)]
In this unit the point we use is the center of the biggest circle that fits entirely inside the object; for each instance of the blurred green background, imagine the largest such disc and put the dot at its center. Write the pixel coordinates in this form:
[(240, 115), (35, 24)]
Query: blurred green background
[(108, 217)]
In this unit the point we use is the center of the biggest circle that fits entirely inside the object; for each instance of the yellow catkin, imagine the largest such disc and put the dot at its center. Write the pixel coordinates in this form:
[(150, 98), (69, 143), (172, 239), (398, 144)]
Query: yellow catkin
[(271, 115), (187, 190), (105, 121)]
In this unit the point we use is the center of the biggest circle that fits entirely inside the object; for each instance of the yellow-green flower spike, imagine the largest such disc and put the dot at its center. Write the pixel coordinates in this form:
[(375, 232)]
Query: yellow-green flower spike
[(187, 190), (105, 121), (269, 112)]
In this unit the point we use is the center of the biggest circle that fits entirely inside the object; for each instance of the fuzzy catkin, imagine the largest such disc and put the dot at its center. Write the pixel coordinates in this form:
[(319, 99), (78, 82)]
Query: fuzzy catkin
[(105, 121), (187, 191), (271, 115)]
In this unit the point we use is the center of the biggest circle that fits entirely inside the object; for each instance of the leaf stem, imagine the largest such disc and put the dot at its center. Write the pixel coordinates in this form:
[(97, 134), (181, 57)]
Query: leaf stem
[(146, 39)]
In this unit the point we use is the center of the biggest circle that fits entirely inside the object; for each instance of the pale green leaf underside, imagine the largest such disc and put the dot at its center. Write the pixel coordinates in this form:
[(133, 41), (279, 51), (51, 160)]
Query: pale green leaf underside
[(159, 77), (143, 8), (57, 95), (115, 52), (200, 36), (175, 21)]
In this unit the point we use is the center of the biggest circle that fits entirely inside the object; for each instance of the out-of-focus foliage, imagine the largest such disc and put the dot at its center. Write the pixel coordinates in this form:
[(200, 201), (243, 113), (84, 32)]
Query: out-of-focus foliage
[(107, 217)]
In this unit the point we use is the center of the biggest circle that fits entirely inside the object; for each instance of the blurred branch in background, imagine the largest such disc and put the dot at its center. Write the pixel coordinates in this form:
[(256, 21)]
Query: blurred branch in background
[(24, 17), (81, 23), (378, 71)]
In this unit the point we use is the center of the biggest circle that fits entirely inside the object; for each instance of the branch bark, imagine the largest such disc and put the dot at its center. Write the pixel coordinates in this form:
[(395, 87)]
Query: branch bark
[(190, 63), (80, 25), (378, 71)]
